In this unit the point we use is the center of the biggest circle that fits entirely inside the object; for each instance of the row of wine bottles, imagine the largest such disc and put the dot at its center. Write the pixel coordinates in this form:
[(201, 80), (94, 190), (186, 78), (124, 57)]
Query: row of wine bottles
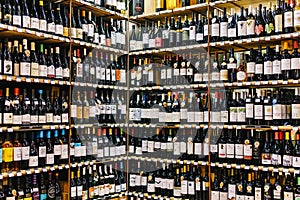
[(104, 106), (102, 181), (17, 109), (35, 149), (276, 148), (57, 22), (257, 107), (115, 5), (37, 186), (169, 180), (193, 69), (243, 184), (97, 144), (249, 23)]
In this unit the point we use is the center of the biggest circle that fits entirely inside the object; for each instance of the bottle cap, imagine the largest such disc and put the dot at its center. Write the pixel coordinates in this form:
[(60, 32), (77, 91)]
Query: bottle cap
[(296, 45), (285, 45), (40, 91), (17, 91)]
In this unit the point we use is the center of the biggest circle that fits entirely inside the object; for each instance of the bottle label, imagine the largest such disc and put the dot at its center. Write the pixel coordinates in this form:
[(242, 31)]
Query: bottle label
[(233, 114), (278, 23), (251, 67), (205, 30), (231, 66), (250, 26), (165, 34), (242, 28), (288, 195), (7, 68), (26, 21), (192, 34), (288, 19), (277, 112), (247, 148), (215, 32), (33, 161), (151, 43), (17, 20), (73, 192), (34, 69), (232, 32), (269, 28), (239, 151), (108, 74), (42, 119), (268, 66), (259, 29), (296, 161), (241, 114), (297, 18), (42, 152), (17, 153), (65, 31), (224, 29), (42, 70), (51, 27), (295, 63), (8, 118), (215, 195), (177, 192), (231, 191), (64, 151), (230, 150), (59, 29), (59, 72), (185, 34), (199, 37), (259, 68), (17, 119), (25, 69), (51, 71), (268, 112), (266, 158), (79, 33), (287, 160), (241, 76), (50, 159), (199, 116), (285, 64), (222, 150), (295, 111), (276, 159), (257, 193), (35, 23), (258, 111)]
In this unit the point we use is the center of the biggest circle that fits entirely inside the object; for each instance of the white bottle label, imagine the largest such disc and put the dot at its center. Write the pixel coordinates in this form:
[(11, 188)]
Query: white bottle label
[(242, 28), (223, 29), (278, 23), (285, 64), (288, 19)]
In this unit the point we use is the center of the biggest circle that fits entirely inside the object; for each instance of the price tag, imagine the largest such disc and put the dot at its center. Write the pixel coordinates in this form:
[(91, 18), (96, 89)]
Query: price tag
[(247, 167), (240, 84), (255, 168), (257, 82), (10, 175), (52, 168), (1, 130), (275, 170), (60, 167), (284, 82), (60, 82), (296, 81), (52, 82), (230, 127), (268, 38), (36, 171), (249, 40), (256, 39), (36, 80), (265, 169), (18, 79), (239, 127), (274, 82), (265, 82), (275, 128), (44, 169), (55, 37), (28, 80), (8, 78), (52, 127), (238, 166), (19, 173), (28, 172), (10, 130)]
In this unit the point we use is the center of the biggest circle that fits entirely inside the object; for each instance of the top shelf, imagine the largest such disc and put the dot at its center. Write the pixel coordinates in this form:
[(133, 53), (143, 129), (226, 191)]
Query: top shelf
[(199, 8), (95, 9)]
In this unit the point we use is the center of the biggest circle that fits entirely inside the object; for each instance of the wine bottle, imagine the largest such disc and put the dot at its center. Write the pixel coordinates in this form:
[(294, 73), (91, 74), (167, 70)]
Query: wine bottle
[(288, 23)]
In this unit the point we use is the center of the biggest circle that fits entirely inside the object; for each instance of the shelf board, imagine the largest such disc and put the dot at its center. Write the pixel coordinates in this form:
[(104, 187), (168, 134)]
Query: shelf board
[(92, 85), (33, 171), (239, 3), (221, 46), (18, 33), (13, 128), (78, 43), (95, 9), (45, 80), (255, 167), (98, 125), (169, 161), (200, 8)]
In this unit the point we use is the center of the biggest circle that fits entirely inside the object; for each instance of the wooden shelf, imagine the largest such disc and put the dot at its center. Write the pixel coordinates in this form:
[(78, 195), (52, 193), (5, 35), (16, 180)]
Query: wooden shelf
[(221, 46), (13, 128), (199, 8), (95, 9), (256, 168), (33, 171), (92, 85), (40, 80), (19, 33)]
